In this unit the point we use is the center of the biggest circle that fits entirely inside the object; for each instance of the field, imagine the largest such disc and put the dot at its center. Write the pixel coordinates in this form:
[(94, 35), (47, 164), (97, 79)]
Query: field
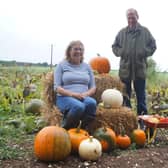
[(18, 128)]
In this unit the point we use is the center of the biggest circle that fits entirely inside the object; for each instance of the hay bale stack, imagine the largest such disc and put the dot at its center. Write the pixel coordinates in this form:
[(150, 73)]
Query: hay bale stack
[(115, 119), (50, 112), (111, 117), (103, 81), (106, 81), (48, 93), (52, 116)]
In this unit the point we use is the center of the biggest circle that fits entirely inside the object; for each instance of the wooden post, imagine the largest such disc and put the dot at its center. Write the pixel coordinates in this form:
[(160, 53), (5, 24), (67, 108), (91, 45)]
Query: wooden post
[(51, 56)]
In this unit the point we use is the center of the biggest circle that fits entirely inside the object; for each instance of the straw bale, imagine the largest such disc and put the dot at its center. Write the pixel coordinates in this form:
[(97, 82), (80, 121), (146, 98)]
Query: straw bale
[(48, 94), (110, 117), (115, 118), (52, 115), (107, 81)]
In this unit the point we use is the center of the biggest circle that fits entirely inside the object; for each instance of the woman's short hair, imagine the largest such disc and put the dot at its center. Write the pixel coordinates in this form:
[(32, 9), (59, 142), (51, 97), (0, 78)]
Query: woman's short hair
[(69, 47)]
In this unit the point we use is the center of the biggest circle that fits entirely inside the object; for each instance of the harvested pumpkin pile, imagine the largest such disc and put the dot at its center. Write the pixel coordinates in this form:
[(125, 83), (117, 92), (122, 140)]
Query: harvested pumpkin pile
[(53, 143)]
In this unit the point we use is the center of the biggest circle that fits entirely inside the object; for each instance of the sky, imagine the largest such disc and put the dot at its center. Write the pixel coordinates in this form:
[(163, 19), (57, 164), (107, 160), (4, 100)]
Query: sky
[(29, 27)]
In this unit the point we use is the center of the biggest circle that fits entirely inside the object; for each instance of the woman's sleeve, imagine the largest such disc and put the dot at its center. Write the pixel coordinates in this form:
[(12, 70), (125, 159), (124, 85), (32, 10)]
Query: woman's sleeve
[(57, 76), (92, 83)]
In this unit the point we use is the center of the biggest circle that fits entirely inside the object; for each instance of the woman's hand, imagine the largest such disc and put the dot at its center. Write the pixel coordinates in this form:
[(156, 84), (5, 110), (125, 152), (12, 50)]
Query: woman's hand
[(79, 96), (85, 94), (90, 92)]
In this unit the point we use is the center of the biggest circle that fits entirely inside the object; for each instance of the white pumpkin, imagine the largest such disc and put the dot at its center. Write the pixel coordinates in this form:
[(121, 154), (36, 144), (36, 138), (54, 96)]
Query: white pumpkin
[(112, 98), (90, 149)]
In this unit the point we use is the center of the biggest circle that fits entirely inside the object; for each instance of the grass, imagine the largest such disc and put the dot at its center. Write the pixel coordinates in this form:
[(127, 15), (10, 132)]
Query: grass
[(15, 124), (10, 138)]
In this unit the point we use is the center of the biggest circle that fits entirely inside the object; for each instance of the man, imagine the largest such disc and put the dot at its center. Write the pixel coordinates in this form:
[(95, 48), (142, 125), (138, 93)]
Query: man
[(134, 44)]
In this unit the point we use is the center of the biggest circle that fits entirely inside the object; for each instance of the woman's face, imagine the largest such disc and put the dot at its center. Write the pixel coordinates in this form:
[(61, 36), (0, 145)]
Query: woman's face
[(76, 53)]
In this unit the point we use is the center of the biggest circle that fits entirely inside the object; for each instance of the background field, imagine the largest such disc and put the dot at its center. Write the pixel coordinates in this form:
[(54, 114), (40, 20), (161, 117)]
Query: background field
[(17, 128)]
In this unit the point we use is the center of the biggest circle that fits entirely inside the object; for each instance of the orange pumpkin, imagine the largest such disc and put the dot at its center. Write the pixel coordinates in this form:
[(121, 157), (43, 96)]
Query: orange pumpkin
[(76, 136), (100, 64), (52, 143), (107, 138), (138, 137), (123, 141)]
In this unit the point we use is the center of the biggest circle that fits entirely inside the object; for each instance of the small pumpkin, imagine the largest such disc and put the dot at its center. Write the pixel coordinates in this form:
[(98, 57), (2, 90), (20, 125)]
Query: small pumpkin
[(90, 149), (34, 106), (112, 98), (123, 141), (138, 137), (76, 136), (100, 64), (107, 138), (52, 143)]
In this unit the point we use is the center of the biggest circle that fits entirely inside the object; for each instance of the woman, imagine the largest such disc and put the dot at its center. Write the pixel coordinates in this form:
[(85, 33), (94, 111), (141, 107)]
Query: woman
[(74, 83)]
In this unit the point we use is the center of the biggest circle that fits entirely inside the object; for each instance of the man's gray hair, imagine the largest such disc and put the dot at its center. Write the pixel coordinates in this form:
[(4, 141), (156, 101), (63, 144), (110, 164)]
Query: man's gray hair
[(132, 11)]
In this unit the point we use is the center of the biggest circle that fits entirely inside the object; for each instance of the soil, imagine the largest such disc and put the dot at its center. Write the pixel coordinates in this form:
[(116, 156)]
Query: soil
[(155, 155)]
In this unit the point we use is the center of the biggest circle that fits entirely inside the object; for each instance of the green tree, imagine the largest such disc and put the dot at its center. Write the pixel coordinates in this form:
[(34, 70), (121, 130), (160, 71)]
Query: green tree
[(152, 69)]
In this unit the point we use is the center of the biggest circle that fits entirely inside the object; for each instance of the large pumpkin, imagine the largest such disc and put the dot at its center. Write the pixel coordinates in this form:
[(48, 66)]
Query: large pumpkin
[(52, 143), (112, 98), (107, 138), (76, 136), (138, 137), (100, 64)]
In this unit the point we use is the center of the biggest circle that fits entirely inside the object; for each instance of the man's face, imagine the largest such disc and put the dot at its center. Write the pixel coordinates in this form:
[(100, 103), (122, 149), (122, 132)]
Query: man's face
[(132, 19)]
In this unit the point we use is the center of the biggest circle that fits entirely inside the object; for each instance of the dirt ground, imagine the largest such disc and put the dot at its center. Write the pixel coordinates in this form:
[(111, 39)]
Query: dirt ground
[(147, 157)]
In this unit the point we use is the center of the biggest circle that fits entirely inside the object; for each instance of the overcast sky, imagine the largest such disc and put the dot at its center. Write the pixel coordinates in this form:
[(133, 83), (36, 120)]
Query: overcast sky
[(29, 27)]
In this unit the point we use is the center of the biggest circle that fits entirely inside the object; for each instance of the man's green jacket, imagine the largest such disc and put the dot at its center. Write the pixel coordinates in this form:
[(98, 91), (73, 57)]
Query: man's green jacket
[(133, 46)]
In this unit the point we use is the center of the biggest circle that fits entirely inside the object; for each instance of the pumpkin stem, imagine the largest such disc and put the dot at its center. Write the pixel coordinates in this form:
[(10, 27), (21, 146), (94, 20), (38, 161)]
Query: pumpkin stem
[(104, 128), (79, 127), (91, 138), (98, 54)]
